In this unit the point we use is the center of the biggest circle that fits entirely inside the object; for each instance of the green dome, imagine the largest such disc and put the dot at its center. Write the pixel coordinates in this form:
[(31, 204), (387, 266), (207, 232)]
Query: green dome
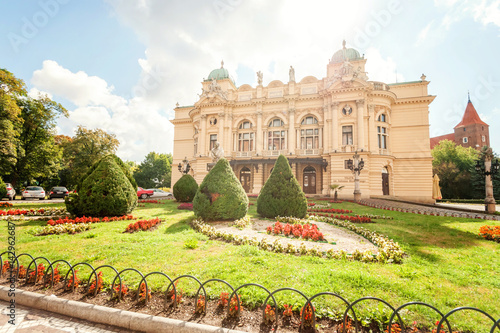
[(219, 74), (345, 54)]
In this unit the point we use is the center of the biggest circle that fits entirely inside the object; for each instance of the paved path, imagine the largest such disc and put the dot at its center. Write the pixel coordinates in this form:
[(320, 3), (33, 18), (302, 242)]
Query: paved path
[(436, 210), (30, 320), (477, 207)]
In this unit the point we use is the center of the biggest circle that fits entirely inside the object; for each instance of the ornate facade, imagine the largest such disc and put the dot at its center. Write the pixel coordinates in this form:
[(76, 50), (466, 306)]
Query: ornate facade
[(318, 124)]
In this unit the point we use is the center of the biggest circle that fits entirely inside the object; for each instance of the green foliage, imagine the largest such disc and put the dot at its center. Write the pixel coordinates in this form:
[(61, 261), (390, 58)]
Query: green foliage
[(154, 171), (3, 189), (281, 194), (453, 165), (37, 156), (220, 195), (85, 149), (185, 189), (478, 180), (106, 191)]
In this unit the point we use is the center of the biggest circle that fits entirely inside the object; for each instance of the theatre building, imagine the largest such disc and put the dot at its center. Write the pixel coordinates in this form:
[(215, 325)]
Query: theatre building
[(318, 124)]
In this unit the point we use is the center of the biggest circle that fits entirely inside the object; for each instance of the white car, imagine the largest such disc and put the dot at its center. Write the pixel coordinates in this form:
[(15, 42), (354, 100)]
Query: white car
[(159, 193), (35, 192), (11, 192)]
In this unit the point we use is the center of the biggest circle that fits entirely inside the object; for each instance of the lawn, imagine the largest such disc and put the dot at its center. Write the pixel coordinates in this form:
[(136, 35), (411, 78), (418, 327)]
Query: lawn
[(448, 264)]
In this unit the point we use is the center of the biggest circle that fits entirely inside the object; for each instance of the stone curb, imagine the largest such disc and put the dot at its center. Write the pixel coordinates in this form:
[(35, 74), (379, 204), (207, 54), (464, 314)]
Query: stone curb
[(109, 316)]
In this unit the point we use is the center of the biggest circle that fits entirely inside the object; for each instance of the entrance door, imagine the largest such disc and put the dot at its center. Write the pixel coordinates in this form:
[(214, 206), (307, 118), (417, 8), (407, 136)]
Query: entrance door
[(245, 179), (385, 182), (309, 185)]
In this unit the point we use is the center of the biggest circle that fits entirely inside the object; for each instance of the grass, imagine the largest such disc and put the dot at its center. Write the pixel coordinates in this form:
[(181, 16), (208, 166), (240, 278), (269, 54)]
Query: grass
[(448, 265)]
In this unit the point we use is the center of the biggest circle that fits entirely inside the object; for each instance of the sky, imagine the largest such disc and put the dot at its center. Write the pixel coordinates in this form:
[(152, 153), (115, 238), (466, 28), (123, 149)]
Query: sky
[(122, 65)]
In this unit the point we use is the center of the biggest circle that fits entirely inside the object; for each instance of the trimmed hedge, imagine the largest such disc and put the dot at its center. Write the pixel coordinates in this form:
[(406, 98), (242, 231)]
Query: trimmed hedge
[(220, 196), (281, 194), (3, 189), (106, 191), (185, 189)]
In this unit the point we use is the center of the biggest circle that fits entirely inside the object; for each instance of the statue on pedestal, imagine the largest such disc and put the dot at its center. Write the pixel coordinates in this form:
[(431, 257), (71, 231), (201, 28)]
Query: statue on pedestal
[(259, 78), (217, 152), (291, 74)]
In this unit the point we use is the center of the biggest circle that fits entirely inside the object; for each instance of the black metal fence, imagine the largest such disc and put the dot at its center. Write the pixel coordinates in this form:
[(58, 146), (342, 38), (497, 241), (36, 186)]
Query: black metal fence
[(308, 301)]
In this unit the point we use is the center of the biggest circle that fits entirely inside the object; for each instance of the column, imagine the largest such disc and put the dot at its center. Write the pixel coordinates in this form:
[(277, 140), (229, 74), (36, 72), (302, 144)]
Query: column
[(221, 136), (203, 136), (372, 129), (360, 120), (228, 144), (327, 126), (335, 126), (291, 131), (258, 141)]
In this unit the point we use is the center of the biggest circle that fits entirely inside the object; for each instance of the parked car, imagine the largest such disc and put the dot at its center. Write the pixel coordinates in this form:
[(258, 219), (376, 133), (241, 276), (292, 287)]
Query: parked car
[(35, 192), (58, 192), (159, 193), (143, 194), (11, 192)]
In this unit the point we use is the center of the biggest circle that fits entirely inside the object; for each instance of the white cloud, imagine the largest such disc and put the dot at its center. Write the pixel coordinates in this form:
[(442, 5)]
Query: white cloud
[(138, 124), (35, 93), (483, 11), (422, 36), (380, 69)]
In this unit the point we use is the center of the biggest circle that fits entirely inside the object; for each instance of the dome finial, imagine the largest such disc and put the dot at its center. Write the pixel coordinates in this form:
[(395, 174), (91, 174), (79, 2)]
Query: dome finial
[(343, 44), (222, 64)]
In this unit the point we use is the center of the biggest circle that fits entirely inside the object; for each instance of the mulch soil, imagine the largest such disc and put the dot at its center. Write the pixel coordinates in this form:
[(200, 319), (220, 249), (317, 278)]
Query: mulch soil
[(250, 320)]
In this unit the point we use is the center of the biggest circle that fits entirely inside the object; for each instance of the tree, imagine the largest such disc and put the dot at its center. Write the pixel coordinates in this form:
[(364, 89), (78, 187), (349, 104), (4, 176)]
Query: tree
[(220, 195), (85, 149), (453, 164), (36, 156), (185, 188), (478, 179), (10, 118), (106, 190), (281, 194), (154, 171)]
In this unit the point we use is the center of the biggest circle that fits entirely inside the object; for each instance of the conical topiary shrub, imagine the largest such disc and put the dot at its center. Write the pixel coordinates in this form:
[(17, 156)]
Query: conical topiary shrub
[(185, 189), (106, 191), (220, 196), (3, 189), (281, 194)]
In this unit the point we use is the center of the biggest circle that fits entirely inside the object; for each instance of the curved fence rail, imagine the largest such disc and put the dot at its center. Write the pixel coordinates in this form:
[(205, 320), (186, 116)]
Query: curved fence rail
[(443, 324)]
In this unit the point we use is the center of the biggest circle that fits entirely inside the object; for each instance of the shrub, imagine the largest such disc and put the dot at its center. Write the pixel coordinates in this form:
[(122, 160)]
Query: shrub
[(220, 195), (3, 189), (185, 189), (281, 194), (106, 191)]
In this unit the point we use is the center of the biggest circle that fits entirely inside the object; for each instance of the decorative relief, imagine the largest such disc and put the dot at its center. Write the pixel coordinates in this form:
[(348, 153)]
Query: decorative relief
[(309, 90), (360, 102), (244, 97), (214, 89), (347, 110), (275, 94)]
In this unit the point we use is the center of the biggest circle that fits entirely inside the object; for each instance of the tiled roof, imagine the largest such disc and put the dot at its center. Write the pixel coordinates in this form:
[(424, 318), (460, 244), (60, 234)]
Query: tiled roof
[(470, 116), (435, 140)]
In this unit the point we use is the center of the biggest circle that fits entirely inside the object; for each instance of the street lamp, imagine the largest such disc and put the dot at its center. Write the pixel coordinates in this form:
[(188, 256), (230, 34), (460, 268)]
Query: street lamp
[(184, 167), (488, 170), (355, 165)]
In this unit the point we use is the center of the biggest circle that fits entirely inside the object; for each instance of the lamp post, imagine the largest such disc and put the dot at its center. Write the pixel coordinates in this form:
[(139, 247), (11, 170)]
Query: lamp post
[(184, 167), (487, 170), (355, 165)]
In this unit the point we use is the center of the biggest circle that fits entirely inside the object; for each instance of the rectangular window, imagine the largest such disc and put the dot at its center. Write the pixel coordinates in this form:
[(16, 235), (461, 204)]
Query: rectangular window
[(213, 140), (483, 138), (346, 135), (245, 142), (195, 146), (464, 140), (382, 137)]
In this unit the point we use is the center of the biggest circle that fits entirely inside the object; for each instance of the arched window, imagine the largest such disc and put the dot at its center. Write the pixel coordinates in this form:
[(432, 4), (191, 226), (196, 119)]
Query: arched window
[(276, 135), (245, 137), (309, 133), (309, 121), (382, 118)]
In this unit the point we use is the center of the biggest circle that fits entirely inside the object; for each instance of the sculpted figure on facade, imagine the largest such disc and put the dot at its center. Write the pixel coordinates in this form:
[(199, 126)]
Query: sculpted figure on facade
[(291, 74), (217, 152), (259, 77)]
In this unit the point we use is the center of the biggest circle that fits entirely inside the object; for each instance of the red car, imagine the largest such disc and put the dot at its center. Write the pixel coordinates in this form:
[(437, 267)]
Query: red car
[(143, 194)]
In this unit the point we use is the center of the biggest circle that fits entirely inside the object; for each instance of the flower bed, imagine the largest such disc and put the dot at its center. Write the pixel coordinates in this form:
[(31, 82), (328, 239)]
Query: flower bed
[(305, 231), (143, 225), (490, 232), (186, 206), (152, 201), (330, 210), (88, 219), (389, 251), (62, 229), (5, 204), (34, 212), (353, 219)]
